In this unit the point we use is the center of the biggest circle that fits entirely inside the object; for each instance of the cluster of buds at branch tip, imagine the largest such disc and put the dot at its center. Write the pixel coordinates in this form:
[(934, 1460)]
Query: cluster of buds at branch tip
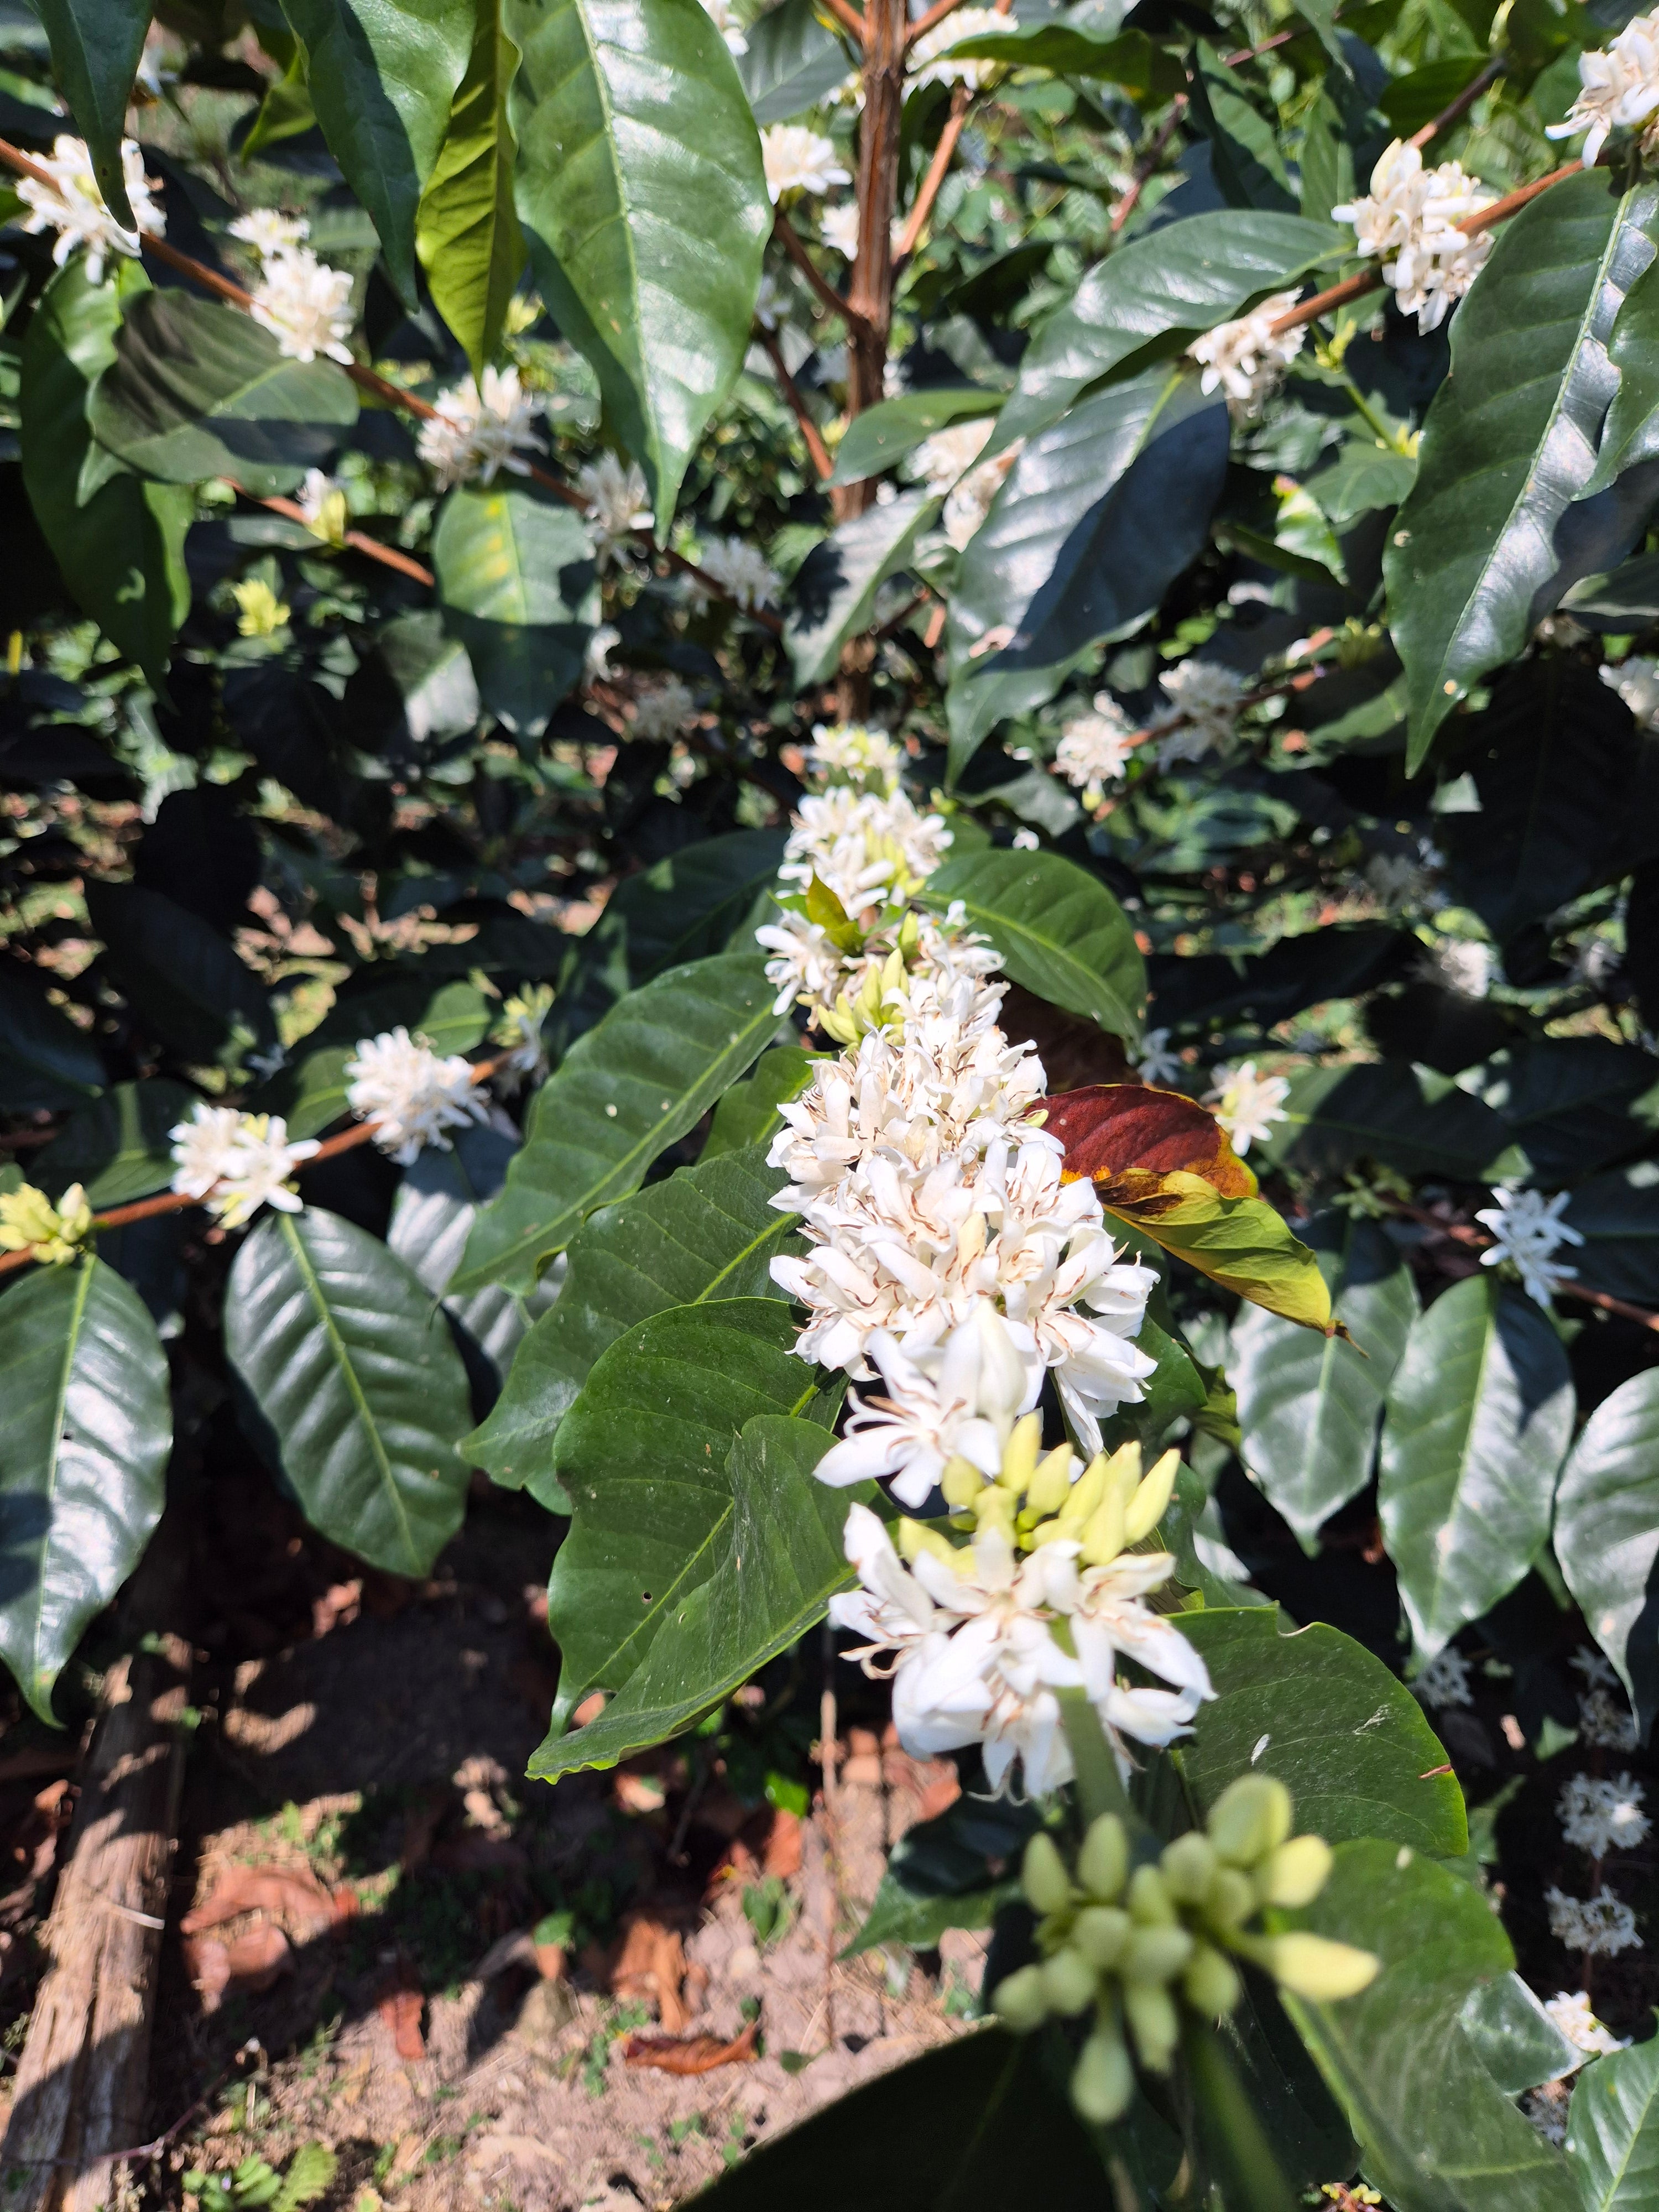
[(1135, 1944), (1034, 1500), (53, 1235)]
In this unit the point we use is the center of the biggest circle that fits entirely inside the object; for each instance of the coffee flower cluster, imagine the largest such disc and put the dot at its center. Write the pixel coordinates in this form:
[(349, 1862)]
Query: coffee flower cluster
[(475, 428), (413, 1095), (1248, 359), (67, 200), (1137, 1945), (1618, 90), (1409, 222), (236, 1162)]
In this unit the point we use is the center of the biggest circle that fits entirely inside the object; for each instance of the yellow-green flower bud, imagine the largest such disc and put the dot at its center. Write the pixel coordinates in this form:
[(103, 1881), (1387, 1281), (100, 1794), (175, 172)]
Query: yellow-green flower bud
[(1103, 2079), (1103, 1864), (1189, 1867), (1086, 1494), (55, 1234), (1154, 2023), (1019, 1453), (1102, 1532), (961, 1481), (1314, 1967), (1101, 1932), (1155, 1954), (1296, 1873), (1020, 2001), (1149, 1903), (1043, 1876), (1051, 1484), (1151, 1499), (915, 1537), (1251, 1817), (1069, 1981), (1211, 1983), (1230, 1898)]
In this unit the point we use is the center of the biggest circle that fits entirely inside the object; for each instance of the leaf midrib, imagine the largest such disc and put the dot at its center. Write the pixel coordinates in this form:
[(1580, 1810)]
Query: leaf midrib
[(621, 213), (84, 1271)]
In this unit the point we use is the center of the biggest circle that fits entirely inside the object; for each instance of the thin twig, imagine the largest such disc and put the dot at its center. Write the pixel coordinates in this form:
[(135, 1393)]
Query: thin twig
[(787, 235), (1147, 166), (935, 179), (849, 18), (1464, 101), (359, 541), (809, 429), (1461, 1232), (1279, 39)]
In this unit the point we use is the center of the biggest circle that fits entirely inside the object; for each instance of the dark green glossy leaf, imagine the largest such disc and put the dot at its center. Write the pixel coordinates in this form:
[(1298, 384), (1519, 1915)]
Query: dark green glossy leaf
[(834, 594), (708, 1232), (1382, 1111), (1245, 156), (1515, 2040), (466, 232), (645, 208), (1417, 97), (118, 1148), (1486, 543), (691, 904), (1631, 436), (623, 1093), (643, 1455), (1618, 1217), (184, 982), (199, 390), (517, 587), (436, 1205), (1308, 1405), (773, 1560), (96, 47), (1606, 1534), (1571, 1104), (44, 1060), (1364, 477), (937, 1876), (884, 433), (791, 60), (1060, 931), (1612, 2130), (1341, 1732), (381, 79), (312, 1093), (748, 1115), (1623, 598), (1070, 49), (357, 1381), (1266, 987), (1479, 1415), (83, 1455)]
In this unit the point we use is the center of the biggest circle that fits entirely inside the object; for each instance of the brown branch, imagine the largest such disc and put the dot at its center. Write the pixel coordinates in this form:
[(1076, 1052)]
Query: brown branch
[(358, 540), (1146, 168), (1279, 39), (809, 429), (849, 18), (1464, 101), (788, 236), (1462, 1233), (936, 169)]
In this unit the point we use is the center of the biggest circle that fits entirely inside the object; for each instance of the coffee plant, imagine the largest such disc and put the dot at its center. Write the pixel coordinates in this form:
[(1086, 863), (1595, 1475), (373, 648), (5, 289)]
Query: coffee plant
[(875, 795)]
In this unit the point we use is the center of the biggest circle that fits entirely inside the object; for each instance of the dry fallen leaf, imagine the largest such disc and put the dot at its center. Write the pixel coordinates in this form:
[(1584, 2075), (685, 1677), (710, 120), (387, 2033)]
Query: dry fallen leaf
[(297, 1894), (249, 1964), (690, 2054), (650, 1967), (338, 1608), (400, 2009)]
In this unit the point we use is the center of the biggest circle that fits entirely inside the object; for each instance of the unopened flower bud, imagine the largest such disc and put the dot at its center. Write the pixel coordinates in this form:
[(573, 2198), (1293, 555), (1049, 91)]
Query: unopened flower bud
[(1103, 1864), (1102, 1533), (1151, 1500), (1314, 1967), (1069, 1981), (1050, 1486), (961, 1481), (1251, 1817), (1019, 1453), (1020, 2001), (1103, 2080), (1086, 1494), (1189, 1866), (1296, 1873), (1101, 1933), (1211, 1983), (1149, 1903), (1155, 1954), (915, 1537), (1230, 1898), (1154, 2023), (1043, 1876)]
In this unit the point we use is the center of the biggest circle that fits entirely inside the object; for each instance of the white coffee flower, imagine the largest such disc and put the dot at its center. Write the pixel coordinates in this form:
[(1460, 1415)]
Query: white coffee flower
[(1248, 1104), (856, 754), (1619, 88), (1203, 711), (237, 1162), (745, 576), (1571, 2011), (939, 461), (618, 502), (726, 21), (930, 61), (1026, 841), (1095, 750), (799, 160), (1547, 2108), (1432, 273), (1601, 1816), (322, 503), (1636, 682), (1527, 1230), (839, 229), (478, 429), (73, 206), (304, 304), (1246, 359), (596, 653), (1409, 221), (1605, 1722), (1111, 1620), (269, 231), (1158, 1062), (1444, 1680), (1598, 1926), (869, 846), (1398, 883), (1461, 963), (411, 1095), (663, 711)]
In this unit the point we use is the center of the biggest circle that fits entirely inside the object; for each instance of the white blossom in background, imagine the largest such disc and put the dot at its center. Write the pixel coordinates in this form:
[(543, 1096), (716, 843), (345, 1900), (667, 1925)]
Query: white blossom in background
[(1595, 1667), (1546, 2107), (1636, 682), (726, 21), (1248, 1104), (269, 231), (1461, 963), (930, 61), (868, 846), (1095, 749), (1246, 359), (1527, 1228), (797, 159), (1604, 1723), (1409, 221), (73, 206), (857, 754), (663, 711), (1445, 1680), (596, 653), (1026, 841), (1571, 2011), (949, 453), (1618, 89), (839, 229), (746, 575), (412, 1095), (1203, 710), (1400, 882), (948, 464), (1599, 1926), (237, 1162), (772, 303), (1157, 1062), (322, 504), (304, 304), (1601, 1815), (618, 502), (521, 1030), (478, 429)]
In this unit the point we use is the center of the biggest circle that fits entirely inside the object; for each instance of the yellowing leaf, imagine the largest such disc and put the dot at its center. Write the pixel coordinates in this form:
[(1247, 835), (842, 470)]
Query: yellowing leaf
[(466, 232)]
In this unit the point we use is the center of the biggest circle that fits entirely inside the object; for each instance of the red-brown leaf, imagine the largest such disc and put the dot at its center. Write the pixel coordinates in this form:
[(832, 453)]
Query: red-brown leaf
[(400, 2009), (1125, 1130), (240, 1889), (690, 2054)]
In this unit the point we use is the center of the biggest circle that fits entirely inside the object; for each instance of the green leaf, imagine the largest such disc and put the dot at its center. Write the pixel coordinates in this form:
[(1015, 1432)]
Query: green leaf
[(1417, 98), (382, 79), (83, 1458), (1478, 551), (643, 1455), (96, 47), (46, 1061), (708, 1232), (310, 2172), (1479, 1415), (312, 1093), (1060, 932), (748, 1115), (1336, 1114), (199, 390), (644, 204), (1174, 1389), (116, 1148), (517, 587), (358, 1383), (185, 983), (1098, 515), (791, 60), (1155, 296), (623, 1093), (1342, 1733), (1308, 1405), (436, 1205), (1572, 1103), (1130, 59), (1437, 2133), (1630, 435), (1621, 599), (884, 433), (1516, 2041), (1244, 157), (1612, 2130), (691, 903), (1618, 1217), (122, 553), (774, 1559), (466, 232), (936, 1876), (1243, 1243), (286, 110), (833, 596), (1606, 1534), (1363, 477)]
